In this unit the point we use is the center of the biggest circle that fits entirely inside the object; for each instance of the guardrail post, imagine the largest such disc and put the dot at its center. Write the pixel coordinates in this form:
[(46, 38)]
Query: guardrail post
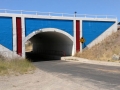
[(96, 16), (106, 16), (21, 11), (36, 12), (5, 11), (74, 15), (49, 13), (62, 14), (85, 15)]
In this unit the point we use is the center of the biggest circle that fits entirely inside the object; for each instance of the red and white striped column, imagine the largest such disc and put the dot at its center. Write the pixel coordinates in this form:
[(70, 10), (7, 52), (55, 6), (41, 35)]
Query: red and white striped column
[(77, 35), (19, 35)]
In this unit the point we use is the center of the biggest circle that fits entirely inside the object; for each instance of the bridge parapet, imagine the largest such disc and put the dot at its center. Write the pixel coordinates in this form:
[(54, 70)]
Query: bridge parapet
[(8, 11)]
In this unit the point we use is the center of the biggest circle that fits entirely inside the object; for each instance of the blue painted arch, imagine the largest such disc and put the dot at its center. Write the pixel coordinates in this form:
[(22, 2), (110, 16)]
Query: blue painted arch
[(47, 30)]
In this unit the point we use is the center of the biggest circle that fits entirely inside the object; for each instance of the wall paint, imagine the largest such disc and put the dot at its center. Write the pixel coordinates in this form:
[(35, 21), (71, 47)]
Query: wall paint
[(32, 24), (93, 29), (77, 35), (19, 36), (6, 32)]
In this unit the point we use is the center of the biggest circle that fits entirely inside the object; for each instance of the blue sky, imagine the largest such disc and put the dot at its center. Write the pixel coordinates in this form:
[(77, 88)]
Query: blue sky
[(101, 7)]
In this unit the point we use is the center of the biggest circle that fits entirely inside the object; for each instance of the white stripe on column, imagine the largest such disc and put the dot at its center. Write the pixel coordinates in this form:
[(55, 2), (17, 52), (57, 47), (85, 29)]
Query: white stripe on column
[(80, 34), (14, 35), (74, 43), (23, 36)]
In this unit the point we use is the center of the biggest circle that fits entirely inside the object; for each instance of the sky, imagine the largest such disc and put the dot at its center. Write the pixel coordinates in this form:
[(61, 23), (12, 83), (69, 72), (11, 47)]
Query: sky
[(94, 7)]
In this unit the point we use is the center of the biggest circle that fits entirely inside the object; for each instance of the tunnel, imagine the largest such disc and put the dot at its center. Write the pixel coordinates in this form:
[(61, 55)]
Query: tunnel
[(50, 45)]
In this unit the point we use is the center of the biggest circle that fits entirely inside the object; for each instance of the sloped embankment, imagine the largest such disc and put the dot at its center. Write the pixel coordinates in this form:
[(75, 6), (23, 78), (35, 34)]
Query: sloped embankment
[(104, 50)]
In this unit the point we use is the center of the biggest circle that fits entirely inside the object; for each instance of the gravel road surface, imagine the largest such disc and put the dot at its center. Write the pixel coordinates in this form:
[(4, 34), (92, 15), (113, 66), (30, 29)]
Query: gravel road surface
[(65, 75)]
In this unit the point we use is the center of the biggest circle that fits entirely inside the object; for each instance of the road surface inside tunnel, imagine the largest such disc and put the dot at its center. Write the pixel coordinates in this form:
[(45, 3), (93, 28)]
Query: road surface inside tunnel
[(50, 46)]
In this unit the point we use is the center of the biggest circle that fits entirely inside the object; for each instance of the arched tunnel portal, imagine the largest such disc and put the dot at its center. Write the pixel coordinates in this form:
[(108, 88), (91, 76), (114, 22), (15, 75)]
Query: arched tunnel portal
[(50, 44)]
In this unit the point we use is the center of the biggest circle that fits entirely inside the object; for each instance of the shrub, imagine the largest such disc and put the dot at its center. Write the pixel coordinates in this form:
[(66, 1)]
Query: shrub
[(15, 66)]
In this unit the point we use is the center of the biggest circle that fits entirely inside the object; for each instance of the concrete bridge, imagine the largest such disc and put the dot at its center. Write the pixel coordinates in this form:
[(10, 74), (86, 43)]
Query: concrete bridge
[(51, 32)]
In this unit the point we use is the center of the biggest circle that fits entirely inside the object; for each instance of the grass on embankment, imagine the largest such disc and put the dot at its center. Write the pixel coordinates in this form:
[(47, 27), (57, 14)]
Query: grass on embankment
[(15, 67), (104, 50)]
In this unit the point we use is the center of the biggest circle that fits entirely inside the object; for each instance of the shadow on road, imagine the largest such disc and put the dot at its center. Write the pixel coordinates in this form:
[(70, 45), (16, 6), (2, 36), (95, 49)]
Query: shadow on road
[(35, 57)]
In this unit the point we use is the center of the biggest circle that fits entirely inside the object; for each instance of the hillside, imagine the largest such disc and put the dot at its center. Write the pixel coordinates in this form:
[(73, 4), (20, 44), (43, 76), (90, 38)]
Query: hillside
[(104, 50)]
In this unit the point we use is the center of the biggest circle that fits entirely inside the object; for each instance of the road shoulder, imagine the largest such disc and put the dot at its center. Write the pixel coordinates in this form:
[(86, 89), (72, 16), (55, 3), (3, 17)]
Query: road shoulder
[(82, 60)]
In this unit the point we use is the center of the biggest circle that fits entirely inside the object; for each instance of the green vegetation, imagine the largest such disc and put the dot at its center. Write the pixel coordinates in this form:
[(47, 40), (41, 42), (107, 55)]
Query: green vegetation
[(15, 66)]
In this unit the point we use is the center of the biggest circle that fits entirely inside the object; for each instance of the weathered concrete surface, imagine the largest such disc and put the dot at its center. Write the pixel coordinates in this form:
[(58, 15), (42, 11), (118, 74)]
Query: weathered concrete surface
[(82, 60)]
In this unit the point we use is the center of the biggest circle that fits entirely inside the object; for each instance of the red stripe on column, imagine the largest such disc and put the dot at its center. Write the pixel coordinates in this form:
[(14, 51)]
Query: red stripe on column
[(19, 36), (77, 35)]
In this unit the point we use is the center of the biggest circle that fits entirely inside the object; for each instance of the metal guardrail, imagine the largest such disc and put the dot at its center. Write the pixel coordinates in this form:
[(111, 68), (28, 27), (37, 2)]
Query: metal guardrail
[(56, 14)]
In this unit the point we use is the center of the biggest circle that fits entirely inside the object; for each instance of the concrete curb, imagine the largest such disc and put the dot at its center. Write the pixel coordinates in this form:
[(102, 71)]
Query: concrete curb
[(82, 60)]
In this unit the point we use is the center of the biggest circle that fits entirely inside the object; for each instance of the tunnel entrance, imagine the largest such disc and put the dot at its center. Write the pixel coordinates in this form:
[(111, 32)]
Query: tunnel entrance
[(49, 46)]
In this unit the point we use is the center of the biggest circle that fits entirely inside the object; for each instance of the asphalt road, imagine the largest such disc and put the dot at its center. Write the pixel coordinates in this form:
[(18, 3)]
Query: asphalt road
[(89, 75)]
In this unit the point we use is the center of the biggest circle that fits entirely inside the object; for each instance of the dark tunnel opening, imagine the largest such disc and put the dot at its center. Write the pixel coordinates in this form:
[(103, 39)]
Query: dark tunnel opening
[(49, 46)]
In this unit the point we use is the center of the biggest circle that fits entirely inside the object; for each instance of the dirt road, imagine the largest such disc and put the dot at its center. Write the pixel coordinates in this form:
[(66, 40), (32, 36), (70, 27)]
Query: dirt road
[(61, 75)]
